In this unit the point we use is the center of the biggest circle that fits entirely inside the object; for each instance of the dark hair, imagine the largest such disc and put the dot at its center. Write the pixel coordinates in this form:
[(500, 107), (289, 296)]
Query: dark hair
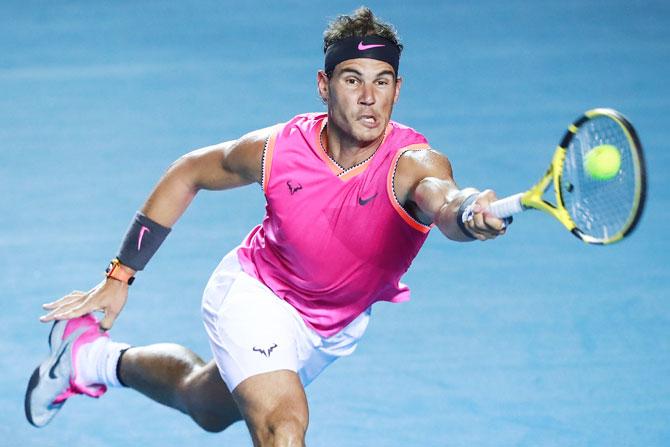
[(361, 22)]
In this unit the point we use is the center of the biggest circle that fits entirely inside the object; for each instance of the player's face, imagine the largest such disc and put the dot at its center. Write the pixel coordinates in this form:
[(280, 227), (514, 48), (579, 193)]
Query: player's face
[(360, 95)]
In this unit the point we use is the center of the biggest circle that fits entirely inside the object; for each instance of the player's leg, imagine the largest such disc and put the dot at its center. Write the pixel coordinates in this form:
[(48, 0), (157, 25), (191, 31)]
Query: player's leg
[(274, 407), (258, 343), (175, 376), (274, 404)]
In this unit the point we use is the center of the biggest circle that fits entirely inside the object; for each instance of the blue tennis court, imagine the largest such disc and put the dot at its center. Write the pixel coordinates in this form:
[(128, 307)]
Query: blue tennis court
[(535, 339)]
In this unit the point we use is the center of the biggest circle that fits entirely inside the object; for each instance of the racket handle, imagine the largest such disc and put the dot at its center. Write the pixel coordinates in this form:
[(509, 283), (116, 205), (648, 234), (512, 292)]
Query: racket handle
[(506, 207)]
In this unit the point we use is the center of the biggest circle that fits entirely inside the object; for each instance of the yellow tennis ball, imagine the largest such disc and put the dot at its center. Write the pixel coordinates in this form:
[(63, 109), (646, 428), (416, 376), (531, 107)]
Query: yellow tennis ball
[(602, 162)]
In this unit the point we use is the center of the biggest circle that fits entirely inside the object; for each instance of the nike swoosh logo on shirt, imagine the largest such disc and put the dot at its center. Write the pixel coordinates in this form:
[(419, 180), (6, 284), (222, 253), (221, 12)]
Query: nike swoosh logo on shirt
[(363, 47), (142, 231), (364, 202)]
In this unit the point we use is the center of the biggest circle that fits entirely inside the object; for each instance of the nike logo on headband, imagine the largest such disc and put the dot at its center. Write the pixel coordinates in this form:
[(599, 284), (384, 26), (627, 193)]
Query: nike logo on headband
[(363, 47)]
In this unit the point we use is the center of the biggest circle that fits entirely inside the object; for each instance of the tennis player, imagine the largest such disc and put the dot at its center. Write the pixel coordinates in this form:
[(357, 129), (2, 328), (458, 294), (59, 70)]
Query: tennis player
[(351, 197)]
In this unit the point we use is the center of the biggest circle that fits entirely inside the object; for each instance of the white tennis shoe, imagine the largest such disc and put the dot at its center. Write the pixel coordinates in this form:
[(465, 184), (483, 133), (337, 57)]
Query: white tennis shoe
[(55, 379)]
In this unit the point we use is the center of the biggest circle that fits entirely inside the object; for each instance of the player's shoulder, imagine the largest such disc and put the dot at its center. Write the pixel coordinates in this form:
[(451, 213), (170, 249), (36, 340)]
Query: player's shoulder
[(403, 137), (304, 122), (424, 163), (416, 158), (415, 166)]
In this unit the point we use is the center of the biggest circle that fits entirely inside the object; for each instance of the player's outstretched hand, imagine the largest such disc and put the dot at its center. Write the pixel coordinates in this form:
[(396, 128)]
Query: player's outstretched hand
[(109, 297), (484, 225)]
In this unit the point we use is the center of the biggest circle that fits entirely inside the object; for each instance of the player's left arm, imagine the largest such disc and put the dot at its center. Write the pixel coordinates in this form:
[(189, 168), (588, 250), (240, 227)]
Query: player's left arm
[(425, 185)]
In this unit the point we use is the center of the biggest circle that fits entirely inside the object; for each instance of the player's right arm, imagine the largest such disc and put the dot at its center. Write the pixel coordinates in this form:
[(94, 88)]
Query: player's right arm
[(424, 183), (222, 166)]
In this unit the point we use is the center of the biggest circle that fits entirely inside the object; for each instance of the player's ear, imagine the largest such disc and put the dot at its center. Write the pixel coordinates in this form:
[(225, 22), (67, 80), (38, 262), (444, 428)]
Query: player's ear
[(322, 85), (398, 84)]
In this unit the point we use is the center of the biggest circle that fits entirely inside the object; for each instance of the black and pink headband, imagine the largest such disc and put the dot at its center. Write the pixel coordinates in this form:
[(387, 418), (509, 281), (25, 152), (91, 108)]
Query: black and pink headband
[(370, 47)]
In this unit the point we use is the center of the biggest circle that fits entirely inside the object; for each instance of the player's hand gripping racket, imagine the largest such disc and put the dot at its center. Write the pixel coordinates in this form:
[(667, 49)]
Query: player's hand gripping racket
[(598, 177)]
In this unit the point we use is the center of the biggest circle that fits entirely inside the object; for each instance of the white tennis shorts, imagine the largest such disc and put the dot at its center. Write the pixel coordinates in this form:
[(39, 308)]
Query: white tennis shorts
[(252, 331)]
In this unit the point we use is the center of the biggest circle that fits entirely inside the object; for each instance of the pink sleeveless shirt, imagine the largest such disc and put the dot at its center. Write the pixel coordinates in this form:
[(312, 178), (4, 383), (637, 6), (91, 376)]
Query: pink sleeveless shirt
[(333, 241)]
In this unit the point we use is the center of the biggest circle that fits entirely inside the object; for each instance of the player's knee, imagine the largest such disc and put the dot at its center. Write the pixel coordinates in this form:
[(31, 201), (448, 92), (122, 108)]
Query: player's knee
[(213, 418), (286, 430), (187, 388), (212, 422), (200, 402)]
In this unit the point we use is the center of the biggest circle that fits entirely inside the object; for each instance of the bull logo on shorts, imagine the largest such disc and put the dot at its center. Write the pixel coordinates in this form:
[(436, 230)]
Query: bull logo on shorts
[(266, 352)]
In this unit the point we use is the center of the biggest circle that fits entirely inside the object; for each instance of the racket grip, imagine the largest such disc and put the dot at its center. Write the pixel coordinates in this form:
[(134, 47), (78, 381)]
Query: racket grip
[(506, 207)]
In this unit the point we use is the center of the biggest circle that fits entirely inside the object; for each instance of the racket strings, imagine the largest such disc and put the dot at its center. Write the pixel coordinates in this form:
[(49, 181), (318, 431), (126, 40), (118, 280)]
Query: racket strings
[(601, 208)]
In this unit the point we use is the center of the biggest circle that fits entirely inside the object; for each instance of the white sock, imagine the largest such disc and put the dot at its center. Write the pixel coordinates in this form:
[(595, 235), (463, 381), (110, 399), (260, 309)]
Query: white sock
[(96, 362)]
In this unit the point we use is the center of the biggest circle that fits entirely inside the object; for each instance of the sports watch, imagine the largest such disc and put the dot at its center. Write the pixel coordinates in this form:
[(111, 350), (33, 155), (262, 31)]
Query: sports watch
[(115, 271)]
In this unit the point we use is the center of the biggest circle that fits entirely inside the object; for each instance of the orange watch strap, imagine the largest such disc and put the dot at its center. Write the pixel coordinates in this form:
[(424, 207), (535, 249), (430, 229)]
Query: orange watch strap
[(115, 271)]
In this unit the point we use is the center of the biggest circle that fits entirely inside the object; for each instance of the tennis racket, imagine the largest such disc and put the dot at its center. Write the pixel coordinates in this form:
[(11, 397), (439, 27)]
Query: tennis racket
[(597, 210)]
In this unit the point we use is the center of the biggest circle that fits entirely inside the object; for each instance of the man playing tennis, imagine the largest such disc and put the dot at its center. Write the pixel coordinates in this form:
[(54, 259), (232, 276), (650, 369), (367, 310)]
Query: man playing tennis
[(351, 196)]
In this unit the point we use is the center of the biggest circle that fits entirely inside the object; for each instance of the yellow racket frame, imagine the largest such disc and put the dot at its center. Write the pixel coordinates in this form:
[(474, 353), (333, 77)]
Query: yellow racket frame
[(533, 197)]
